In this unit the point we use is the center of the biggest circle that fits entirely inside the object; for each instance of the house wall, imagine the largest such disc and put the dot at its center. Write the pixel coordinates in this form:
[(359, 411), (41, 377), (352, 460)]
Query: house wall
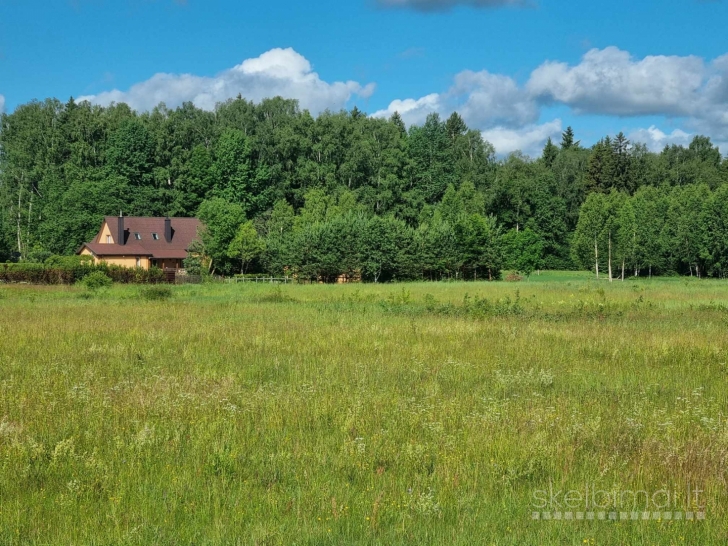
[(123, 261), (104, 232), (127, 261)]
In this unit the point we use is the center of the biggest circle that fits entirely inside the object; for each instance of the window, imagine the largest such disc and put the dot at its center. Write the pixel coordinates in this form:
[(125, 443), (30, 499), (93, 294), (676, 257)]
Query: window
[(139, 262), (155, 236), (138, 236), (108, 239)]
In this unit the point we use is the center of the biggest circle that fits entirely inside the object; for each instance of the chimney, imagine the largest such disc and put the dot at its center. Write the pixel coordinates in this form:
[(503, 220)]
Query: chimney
[(168, 229), (120, 231)]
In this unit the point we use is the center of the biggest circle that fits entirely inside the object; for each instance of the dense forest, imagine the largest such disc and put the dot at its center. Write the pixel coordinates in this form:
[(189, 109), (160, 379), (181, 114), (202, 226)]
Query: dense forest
[(344, 193)]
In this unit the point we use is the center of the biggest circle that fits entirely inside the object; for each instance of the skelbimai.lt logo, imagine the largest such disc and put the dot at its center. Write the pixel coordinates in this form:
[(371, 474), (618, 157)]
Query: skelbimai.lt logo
[(590, 502)]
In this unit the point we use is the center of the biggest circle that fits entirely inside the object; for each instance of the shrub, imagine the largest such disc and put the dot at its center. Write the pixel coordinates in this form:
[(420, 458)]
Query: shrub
[(514, 277), (193, 265), (96, 280), (38, 255), (70, 270), (69, 262), (155, 293)]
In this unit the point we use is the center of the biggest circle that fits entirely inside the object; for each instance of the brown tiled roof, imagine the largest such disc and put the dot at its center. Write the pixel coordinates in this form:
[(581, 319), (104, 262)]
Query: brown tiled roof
[(184, 231)]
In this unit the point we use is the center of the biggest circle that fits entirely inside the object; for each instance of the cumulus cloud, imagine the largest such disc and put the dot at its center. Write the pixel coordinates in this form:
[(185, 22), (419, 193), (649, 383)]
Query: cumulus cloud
[(443, 5), (413, 111), (485, 101), (529, 139), (281, 72), (2, 104), (487, 98), (656, 140), (610, 81), (606, 81), (482, 98), (710, 114)]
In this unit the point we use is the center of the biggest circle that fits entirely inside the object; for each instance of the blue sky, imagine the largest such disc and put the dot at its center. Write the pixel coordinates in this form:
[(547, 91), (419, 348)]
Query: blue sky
[(519, 71)]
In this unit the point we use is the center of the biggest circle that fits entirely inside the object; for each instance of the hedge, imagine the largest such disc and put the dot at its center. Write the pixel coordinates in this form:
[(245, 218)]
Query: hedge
[(47, 274)]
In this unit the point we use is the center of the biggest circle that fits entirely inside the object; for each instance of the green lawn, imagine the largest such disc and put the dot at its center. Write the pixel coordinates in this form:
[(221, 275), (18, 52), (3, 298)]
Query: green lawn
[(364, 414)]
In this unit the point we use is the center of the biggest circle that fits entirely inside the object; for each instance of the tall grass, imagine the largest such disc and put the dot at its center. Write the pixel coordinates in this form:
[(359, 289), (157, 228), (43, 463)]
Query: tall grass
[(402, 414)]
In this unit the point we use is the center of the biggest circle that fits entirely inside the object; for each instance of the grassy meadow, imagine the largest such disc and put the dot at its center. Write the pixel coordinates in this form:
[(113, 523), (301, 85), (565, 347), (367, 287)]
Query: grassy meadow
[(362, 414)]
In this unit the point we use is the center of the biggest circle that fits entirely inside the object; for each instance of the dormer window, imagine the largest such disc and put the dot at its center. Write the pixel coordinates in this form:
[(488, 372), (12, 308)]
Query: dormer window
[(155, 236), (138, 236), (108, 240)]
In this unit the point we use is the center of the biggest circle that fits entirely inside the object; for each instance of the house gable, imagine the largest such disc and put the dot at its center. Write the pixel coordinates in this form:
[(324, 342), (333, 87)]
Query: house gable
[(105, 236)]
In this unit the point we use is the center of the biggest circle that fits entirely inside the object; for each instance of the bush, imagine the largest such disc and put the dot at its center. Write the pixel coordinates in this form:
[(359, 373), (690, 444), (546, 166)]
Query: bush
[(193, 265), (70, 270), (33, 273), (67, 262), (38, 255), (96, 280), (156, 293)]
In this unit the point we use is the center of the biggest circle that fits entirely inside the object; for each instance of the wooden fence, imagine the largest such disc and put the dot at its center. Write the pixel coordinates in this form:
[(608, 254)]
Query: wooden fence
[(269, 280)]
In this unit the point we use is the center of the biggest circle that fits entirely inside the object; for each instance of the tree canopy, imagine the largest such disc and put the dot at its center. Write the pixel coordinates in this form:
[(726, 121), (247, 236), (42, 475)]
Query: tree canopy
[(347, 194)]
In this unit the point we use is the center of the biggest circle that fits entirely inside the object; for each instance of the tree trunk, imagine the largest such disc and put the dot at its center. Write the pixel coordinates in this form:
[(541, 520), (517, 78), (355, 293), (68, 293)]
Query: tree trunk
[(20, 239), (596, 257), (30, 213), (622, 270), (610, 256)]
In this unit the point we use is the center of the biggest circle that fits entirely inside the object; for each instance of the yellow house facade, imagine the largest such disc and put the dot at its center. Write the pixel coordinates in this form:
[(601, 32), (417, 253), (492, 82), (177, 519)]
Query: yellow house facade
[(129, 241)]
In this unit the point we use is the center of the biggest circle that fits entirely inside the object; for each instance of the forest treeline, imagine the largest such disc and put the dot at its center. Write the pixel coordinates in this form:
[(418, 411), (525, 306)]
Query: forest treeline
[(344, 193)]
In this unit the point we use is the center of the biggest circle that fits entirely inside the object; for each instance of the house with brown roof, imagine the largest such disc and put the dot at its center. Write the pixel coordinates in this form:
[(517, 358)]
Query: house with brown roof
[(142, 242)]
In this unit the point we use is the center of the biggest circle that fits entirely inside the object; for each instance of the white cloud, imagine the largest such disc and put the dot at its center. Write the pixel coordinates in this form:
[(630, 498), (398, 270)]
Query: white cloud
[(490, 102), (716, 88), (529, 139), (656, 140), (710, 116), (611, 81), (443, 5), (2, 104), (482, 99), (413, 111), (281, 72), (606, 82), (492, 99)]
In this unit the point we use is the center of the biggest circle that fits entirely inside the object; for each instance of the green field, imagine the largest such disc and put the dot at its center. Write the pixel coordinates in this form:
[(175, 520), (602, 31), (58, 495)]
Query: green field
[(364, 414)]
